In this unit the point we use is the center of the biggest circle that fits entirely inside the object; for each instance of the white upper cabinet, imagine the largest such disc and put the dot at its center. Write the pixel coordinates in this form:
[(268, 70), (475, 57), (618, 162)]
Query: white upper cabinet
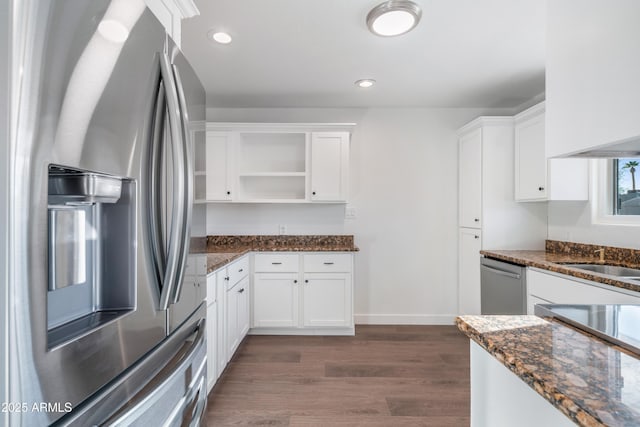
[(219, 149), (486, 188), (329, 166), (470, 173), (530, 161), (274, 163), (592, 69), (170, 13), (539, 179)]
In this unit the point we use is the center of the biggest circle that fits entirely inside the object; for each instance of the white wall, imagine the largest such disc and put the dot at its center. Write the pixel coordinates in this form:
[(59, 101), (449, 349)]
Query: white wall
[(404, 188), (571, 221), (592, 69)]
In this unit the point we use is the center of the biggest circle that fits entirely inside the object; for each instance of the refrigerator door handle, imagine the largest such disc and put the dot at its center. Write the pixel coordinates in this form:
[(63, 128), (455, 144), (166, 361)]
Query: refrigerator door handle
[(190, 365), (187, 199), (190, 410), (176, 234), (156, 231)]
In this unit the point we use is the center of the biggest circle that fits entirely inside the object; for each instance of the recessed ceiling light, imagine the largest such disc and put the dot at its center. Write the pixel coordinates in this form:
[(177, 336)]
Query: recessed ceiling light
[(365, 83), (393, 17), (219, 36)]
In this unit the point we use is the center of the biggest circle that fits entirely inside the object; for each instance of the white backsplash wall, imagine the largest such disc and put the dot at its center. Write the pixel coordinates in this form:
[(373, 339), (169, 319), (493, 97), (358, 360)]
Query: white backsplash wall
[(267, 219), (571, 221), (403, 185)]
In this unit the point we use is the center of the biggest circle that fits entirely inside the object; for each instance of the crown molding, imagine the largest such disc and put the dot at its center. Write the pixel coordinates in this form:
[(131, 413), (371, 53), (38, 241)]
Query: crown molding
[(530, 113), (187, 8), (486, 121)]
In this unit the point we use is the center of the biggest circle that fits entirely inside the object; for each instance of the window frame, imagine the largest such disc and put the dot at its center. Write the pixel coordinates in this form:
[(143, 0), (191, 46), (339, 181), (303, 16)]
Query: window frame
[(603, 186)]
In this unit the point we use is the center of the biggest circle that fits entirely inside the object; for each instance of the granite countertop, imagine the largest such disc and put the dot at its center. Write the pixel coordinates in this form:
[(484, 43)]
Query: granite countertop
[(592, 382), (222, 250), (220, 259), (554, 261)]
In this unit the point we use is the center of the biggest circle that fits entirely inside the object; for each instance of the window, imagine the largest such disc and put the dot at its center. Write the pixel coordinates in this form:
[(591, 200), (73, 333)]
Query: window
[(626, 186)]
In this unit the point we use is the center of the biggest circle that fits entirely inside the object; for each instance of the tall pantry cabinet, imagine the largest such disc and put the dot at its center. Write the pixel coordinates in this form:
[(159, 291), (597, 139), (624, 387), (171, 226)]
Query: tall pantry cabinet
[(488, 215)]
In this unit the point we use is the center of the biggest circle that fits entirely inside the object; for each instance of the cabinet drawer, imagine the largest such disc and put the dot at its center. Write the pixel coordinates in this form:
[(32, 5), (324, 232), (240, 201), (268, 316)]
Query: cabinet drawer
[(238, 270), (327, 262), (276, 263)]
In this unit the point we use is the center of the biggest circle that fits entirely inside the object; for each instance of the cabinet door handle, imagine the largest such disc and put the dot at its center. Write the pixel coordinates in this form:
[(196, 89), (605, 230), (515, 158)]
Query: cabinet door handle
[(476, 236), (241, 270), (276, 263), (328, 263), (226, 278), (306, 281), (540, 188), (295, 281), (313, 192), (241, 291), (476, 219), (228, 193)]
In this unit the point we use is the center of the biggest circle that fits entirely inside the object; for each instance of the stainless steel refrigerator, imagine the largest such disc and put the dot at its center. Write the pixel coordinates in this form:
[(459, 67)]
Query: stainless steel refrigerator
[(99, 192)]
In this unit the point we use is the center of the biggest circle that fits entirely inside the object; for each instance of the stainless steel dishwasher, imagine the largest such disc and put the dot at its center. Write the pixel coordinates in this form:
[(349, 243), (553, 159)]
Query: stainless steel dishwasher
[(503, 288)]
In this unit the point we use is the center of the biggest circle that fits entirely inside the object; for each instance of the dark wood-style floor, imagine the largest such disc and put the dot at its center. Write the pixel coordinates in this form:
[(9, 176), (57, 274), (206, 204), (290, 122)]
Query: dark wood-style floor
[(384, 376)]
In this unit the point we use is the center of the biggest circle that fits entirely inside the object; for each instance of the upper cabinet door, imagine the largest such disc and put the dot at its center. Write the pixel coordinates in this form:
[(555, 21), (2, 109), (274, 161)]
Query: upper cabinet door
[(329, 166), (219, 155), (470, 172), (531, 163)]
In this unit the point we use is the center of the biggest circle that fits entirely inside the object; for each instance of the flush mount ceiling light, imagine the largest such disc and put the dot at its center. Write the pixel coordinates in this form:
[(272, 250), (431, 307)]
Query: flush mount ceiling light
[(365, 83), (219, 36), (393, 17)]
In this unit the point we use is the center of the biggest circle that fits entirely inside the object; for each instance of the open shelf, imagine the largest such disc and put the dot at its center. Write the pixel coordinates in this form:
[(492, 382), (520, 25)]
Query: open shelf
[(272, 152), (272, 187)]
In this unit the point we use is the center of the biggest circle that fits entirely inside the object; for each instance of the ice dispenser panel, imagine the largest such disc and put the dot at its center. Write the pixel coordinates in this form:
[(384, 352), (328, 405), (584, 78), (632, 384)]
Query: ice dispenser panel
[(91, 243)]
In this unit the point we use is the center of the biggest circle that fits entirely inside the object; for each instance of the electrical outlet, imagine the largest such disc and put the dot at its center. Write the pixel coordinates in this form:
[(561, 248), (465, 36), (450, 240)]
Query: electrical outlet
[(282, 229), (349, 212)]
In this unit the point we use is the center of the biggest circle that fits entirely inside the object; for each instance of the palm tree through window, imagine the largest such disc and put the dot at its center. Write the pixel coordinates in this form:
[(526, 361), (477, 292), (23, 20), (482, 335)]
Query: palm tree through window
[(626, 200)]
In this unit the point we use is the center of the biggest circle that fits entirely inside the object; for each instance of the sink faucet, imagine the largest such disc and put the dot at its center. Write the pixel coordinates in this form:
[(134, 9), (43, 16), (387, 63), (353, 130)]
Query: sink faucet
[(601, 252)]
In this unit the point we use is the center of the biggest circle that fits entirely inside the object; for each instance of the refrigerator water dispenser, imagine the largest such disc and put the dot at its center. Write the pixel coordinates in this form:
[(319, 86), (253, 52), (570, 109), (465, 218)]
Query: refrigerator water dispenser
[(91, 251)]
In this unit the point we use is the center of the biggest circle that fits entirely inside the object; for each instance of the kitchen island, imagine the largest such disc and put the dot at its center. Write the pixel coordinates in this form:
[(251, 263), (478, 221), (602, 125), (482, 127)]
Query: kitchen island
[(528, 371)]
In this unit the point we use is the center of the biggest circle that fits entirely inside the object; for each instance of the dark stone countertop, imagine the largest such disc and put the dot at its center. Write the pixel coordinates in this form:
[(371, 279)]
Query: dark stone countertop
[(222, 250), (592, 382)]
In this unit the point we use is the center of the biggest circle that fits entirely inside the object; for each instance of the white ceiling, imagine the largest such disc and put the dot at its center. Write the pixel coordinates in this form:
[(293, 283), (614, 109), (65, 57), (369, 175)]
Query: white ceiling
[(309, 53)]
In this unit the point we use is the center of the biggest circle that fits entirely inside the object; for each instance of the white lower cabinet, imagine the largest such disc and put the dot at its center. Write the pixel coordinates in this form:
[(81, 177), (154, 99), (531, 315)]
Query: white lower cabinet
[(303, 294), (327, 300), (237, 314), (554, 288), (227, 315), (470, 243), (275, 300), (212, 333)]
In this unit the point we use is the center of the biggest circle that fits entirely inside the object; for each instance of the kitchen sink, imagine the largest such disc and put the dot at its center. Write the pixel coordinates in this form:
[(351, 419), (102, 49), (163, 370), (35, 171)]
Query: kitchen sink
[(610, 270)]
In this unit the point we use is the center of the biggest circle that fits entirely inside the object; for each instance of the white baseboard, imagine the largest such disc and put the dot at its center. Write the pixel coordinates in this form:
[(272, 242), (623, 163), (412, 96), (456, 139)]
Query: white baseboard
[(405, 319), (348, 331)]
